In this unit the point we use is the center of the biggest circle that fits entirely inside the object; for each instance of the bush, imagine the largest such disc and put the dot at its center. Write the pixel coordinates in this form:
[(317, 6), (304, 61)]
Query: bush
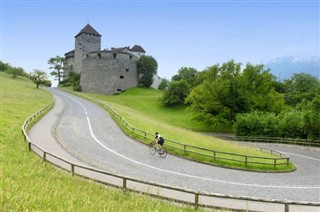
[(248, 124), (291, 125), (176, 93), (72, 80)]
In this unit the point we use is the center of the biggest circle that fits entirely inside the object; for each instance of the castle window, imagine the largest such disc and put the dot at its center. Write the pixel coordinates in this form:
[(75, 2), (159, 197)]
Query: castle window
[(114, 56), (119, 89), (99, 55), (130, 57), (87, 56), (121, 77), (127, 70)]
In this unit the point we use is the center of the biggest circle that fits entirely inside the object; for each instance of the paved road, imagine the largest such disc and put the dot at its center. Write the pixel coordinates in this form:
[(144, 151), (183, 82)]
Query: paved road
[(89, 134)]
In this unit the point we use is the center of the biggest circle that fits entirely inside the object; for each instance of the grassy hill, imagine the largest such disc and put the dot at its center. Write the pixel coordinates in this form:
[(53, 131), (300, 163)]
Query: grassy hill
[(148, 101), (28, 184)]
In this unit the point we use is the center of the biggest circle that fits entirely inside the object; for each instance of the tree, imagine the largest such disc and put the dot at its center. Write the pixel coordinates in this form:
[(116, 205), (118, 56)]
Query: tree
[(57, 64), (15, 71), (300, 86), (39, 77), (163, 84), (225, 90), (186, 73), (4, 66), (147, 67), (176, 93)]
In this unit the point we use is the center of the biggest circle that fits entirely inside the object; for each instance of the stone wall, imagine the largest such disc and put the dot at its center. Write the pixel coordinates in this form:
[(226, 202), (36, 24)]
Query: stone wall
[(108, 72)]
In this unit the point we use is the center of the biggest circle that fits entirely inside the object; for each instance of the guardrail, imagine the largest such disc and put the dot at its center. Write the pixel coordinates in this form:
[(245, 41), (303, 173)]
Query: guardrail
[(294, 141), (214, 154), (198, 199)]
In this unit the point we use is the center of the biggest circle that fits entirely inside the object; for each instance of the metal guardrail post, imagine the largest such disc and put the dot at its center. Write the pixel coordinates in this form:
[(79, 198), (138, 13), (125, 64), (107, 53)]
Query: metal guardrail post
[(245, 160), (44, 156), (29, 146)]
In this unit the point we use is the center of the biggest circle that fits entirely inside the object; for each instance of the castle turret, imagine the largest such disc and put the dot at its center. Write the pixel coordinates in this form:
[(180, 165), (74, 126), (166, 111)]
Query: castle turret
[(86, 41)]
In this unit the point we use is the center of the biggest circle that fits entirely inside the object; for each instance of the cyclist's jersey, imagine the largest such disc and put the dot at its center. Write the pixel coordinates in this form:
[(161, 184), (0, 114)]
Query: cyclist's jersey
[(160, 139)]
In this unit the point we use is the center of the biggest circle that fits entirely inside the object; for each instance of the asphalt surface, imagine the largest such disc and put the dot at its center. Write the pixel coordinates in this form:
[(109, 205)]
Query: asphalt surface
[(91, 137)]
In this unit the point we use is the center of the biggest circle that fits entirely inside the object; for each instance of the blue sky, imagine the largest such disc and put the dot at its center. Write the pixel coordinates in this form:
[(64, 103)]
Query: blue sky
[(176, 33)]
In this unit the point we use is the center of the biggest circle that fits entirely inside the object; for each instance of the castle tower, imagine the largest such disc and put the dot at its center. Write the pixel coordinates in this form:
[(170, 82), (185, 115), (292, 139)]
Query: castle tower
[(86, 41)]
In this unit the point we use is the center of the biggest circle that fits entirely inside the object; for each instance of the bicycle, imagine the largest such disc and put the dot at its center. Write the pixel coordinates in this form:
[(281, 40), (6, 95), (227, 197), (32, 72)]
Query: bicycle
[(153, 149)]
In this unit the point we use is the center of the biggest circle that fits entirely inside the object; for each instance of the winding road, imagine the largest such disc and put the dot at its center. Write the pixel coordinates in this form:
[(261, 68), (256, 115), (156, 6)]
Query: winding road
[(91, 137)]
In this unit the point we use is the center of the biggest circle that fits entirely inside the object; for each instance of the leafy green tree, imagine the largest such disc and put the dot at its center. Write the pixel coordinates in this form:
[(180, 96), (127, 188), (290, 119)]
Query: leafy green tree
[(225, 91), (39, 77), (147, 67), (57, 64), (300, 86), (176, 93), (311, 112), (4, 66), (15, 71), (186, 73), (163, 84), (217, 99), (312, 118), (258, 85)]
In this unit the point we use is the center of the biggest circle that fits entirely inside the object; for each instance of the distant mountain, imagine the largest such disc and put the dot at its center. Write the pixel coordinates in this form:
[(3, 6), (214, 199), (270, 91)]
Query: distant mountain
[(284, 67)]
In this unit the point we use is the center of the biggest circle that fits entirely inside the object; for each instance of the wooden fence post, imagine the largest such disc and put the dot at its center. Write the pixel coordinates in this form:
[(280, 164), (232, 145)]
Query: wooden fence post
[(196, 200), (124, 184), (286, 207), (72, 169)]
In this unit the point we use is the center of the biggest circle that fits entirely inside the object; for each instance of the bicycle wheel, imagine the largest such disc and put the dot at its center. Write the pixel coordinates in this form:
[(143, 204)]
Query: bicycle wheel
[(152, 150), (162, 153)]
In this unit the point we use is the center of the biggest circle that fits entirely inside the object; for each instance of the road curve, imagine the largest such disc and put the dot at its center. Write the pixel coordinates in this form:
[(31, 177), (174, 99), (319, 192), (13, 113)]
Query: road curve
[(87, 132)]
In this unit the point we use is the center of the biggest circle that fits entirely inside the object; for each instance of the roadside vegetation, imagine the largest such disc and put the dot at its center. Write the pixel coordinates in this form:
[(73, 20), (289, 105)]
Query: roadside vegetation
[(248, 100), (29, 184)]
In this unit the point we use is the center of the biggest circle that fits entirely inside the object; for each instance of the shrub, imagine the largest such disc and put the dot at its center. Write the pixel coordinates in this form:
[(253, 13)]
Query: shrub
[(291, 125), (248, 124)]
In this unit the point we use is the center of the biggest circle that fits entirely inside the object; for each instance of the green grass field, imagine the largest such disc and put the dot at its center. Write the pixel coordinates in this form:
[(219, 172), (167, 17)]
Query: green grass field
[(29, 184), (143, 109), (148, 101)]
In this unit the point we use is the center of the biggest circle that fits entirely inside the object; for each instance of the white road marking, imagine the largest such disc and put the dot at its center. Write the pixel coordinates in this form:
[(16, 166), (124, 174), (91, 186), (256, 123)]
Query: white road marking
[(178, 173), (303, 156)]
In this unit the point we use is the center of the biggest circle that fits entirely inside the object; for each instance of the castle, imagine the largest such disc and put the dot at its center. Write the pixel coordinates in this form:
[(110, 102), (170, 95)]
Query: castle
[(102, 71)]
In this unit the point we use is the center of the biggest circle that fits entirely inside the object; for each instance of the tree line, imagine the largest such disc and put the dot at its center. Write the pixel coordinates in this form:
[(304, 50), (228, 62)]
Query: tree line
[(37, 76), (249, 99)]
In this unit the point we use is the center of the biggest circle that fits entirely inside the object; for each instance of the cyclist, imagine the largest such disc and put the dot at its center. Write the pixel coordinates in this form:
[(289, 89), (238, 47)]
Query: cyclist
[(158, 140)]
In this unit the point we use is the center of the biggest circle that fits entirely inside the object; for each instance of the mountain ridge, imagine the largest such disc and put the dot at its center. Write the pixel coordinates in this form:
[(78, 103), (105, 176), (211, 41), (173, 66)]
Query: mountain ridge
[(285, 67)]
